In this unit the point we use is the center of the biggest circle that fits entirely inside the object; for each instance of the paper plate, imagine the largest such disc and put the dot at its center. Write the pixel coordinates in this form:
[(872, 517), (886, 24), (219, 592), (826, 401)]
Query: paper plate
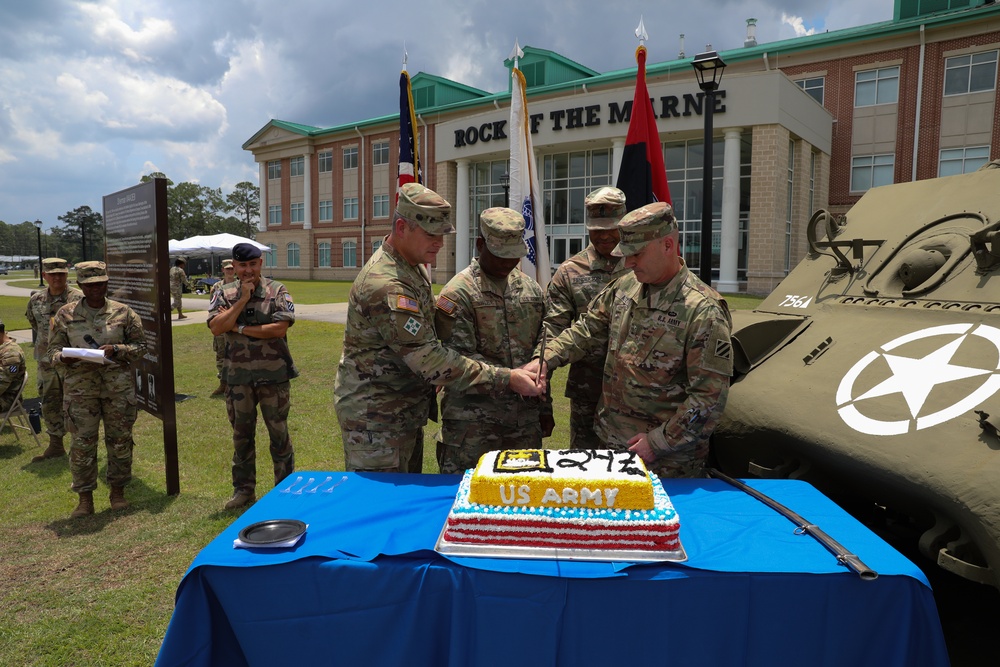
[(274, 530)]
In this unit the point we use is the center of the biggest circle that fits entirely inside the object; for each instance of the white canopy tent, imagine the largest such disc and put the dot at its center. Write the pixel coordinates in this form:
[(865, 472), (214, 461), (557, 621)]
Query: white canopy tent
[(211, 246)]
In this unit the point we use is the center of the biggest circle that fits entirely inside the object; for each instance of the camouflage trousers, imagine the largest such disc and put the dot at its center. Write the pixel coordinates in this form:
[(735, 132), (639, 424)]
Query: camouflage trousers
[(175, 300), (219, 345), (50, 391), (83, 416), (383, 451), (461, 443), (241, 406), (581, 425)]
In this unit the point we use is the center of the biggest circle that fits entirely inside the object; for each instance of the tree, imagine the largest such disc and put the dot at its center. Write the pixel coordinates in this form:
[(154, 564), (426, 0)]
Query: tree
[(82, 224), (244, 200)]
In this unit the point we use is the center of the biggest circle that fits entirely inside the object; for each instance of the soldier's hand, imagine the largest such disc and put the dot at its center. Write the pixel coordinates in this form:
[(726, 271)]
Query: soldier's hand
[(526, 383), (639, 443), (548, 424), (246, 290), (107, 350), (535, 365)]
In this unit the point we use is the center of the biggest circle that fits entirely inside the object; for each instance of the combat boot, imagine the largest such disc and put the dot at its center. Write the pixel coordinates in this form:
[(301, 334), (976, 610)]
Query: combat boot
[(221, 389), (240, 499), (53, 451), (118, 501), (85, 506)]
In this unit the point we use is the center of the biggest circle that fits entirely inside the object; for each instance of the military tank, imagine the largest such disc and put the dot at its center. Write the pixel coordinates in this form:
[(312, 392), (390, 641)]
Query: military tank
[(873, 370)]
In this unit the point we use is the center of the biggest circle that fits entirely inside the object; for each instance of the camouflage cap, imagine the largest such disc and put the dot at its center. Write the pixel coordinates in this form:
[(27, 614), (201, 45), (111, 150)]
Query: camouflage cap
[(91, 272), (605, 207), (182, 259), (644, 224), (426, 208), (227, 264), (55, 265), (503, 231)]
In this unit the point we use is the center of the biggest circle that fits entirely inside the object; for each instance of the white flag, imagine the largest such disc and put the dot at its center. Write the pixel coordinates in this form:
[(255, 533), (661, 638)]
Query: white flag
[(525, 194)]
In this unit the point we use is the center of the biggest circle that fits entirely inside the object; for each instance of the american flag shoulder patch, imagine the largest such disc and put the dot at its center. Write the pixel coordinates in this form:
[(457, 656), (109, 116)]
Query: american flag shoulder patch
[(404, 302), (447, 305)]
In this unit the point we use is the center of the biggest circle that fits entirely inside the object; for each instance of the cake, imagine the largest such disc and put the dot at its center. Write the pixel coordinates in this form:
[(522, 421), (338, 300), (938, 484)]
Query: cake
[(565, 499)]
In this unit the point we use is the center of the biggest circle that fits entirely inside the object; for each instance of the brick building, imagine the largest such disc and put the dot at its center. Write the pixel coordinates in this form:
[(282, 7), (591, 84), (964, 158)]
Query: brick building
[(799, 125)]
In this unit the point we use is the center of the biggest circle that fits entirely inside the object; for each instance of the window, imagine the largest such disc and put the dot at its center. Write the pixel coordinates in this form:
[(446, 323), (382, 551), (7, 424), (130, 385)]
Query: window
[(380, 206), (351, 158), (271, 258), (298, 212), (876, 86), (376, 245), (871, 171), (534, 74), (325, 162), (324, 254), (293, 254), (297, 166), (380, 152), (326, 210), (962, 160), (423, 97), (350, 208), (567, 178), (274, 215), (970, 74), (274, 169), (789, 205), (350, 253), (814, 87)]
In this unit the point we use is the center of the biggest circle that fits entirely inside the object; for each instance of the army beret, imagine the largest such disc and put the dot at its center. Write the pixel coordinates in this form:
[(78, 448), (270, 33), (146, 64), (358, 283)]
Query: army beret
[(426, 208), (244, 252), (644, 224), (605, 207), (503, 231)]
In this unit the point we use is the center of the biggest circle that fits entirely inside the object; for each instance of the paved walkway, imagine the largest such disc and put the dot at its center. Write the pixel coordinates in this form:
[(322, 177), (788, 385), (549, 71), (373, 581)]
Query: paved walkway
[(197, 311)]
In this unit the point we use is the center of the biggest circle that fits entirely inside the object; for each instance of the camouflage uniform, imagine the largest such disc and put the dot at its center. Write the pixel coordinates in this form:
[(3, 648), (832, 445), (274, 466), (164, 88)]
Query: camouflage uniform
[(391, 360), (498, 322), (11, 373), (574, 285), (218, 342), (178, 281), (41, 312), (94, 392), (256, 372)]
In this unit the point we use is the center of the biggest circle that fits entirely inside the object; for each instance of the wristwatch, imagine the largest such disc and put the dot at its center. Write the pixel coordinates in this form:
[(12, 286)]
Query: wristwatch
[(240, 329)]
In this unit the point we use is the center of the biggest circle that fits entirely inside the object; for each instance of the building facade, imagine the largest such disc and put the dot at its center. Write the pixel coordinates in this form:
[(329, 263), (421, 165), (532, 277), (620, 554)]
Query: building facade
[(799, 125)]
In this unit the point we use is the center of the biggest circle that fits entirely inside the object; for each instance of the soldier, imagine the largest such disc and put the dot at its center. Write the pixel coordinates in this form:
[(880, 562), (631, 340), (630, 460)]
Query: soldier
[(254, 314), (96, 391), (669, 356), (11, 370), (492, 313), (178, 281), (42, 308), (574, 285), (219, 342), (392, 357)]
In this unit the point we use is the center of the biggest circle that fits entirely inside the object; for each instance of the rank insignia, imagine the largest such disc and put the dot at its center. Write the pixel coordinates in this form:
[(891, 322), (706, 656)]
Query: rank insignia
[(412, 326), (404, 302), (447, 305)]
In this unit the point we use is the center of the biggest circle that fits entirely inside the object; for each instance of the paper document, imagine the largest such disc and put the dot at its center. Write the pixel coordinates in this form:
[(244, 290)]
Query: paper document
[(87, 354)]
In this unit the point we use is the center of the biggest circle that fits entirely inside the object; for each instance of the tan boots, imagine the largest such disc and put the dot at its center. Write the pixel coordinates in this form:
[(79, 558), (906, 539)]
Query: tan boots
[(118, 501), (53, 451), (86, 505)]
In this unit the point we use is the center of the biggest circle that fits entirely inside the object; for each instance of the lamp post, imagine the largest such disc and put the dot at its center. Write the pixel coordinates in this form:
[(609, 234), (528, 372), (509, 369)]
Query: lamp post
[(708, 67), (505, 184), (38, 231)]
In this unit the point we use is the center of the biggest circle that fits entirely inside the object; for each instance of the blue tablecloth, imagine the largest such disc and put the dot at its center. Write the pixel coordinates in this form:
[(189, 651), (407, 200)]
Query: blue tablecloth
[(364, 587)]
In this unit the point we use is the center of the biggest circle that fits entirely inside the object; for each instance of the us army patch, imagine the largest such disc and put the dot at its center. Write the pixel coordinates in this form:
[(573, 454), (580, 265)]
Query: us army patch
[(412, 326), (404, 302), (446, 305)]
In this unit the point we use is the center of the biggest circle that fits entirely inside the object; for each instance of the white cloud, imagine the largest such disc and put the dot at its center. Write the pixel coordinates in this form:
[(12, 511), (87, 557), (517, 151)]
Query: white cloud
[(796, 22)]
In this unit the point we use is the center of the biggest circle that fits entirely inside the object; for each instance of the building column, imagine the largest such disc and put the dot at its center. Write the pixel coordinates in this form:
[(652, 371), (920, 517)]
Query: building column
[(729, 247), (262, 179), (462, 223), (617, 149), (307, 192)]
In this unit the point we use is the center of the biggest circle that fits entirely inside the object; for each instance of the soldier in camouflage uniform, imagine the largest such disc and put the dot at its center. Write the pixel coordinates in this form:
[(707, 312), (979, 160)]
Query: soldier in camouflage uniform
[(178, 281), (96, 392), (42, 308), (219, 342), (666, 377), (574, 285), (254, 314), (392, 357), (11, 369), (490, 312)]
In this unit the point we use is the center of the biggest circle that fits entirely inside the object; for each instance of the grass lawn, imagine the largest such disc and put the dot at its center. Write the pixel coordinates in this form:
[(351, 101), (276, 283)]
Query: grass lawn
[(100, 590)]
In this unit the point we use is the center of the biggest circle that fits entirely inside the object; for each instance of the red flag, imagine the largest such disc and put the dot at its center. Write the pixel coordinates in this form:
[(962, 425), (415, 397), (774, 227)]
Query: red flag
[(642, 176)]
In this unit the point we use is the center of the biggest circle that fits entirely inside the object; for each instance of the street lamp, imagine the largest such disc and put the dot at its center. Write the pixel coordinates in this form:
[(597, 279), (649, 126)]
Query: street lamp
[(38, 230), (708, 67), (505, 184)]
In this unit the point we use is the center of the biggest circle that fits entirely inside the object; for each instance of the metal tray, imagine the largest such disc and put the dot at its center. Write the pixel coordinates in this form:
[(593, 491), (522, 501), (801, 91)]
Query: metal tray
[(447, 548)]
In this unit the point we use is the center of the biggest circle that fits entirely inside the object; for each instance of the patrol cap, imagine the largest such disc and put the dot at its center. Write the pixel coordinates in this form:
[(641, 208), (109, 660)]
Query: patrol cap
[(91, 272), (644, 224), (55, 265), (244, 252), (605, 207), (426, 208), (503, 231), (182, 259), (227, 263)]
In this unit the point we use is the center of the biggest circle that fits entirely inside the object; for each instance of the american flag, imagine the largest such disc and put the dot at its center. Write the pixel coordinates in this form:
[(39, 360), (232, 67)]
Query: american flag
[(409, 166)]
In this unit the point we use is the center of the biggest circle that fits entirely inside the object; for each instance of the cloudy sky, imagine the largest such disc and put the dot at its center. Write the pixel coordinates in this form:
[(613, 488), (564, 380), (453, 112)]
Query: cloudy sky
[(95, 94)]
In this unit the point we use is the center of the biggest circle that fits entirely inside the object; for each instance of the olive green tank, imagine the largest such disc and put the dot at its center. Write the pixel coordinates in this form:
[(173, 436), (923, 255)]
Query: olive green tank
[(873, 369)]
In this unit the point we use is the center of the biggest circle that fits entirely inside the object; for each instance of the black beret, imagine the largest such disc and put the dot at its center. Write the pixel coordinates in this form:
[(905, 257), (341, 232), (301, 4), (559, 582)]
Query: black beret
[(244, 252)]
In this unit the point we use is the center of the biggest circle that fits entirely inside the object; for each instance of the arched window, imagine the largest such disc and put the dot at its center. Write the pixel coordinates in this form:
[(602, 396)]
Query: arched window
[(350, 254), (271, 258), (324, 254), (293, 255)]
